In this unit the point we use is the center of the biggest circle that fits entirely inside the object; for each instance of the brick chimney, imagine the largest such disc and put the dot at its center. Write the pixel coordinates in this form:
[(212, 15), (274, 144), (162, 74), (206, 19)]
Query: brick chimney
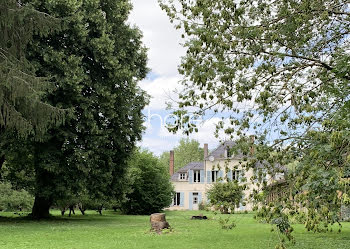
[(205, 150), (251, 140), (171, 163)]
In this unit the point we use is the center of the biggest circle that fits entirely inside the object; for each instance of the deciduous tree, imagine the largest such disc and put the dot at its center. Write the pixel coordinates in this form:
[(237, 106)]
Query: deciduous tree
[(150, 187), (280, 69), (187, 151), (96, 60), (226, 196)]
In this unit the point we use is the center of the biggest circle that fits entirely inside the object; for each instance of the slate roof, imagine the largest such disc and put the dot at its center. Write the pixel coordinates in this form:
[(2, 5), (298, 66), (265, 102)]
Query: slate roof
[(219, 152), (276, 166), (185, 169)]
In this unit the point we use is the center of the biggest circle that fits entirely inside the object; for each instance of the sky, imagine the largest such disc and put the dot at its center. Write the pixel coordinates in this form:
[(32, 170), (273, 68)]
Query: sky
[(164, 54)]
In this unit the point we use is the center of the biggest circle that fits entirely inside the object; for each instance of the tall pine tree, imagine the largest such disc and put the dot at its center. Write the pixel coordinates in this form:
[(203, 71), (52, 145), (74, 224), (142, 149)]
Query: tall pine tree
[(22, 111), (21, 106)]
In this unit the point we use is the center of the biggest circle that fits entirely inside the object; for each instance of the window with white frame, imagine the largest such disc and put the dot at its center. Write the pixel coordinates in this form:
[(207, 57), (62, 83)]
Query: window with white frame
[(235, 175), (183, 176), (177, 199), (214, 175), (196, 176), (228, 152)]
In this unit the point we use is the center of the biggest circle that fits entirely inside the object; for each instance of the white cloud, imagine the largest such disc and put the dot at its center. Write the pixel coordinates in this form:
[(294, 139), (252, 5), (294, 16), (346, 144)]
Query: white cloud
[(163, 140), (160, 36), (204, 135), (164, 55), (161, 90), (158, 145)]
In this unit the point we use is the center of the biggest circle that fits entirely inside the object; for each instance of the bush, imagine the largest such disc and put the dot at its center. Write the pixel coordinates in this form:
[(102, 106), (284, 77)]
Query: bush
[(226, 196), (151, 189), (14, 200), (202, 206)]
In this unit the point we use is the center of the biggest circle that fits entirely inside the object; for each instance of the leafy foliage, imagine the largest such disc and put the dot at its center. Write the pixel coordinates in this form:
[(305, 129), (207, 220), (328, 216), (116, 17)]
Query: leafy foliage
[(226, 196), (14, 200), (279, 70), (151, 189), (96, 60), (227, 223), (285, 61), (280, 220), (187, 151)]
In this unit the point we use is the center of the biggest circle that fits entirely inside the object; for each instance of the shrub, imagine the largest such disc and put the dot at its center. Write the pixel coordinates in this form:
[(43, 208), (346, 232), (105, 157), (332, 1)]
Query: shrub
[(202, 206), (226, 196), (14, 200), (151, 189)]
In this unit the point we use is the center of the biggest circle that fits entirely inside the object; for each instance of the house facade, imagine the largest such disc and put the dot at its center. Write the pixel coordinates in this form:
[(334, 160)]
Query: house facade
[(192, 182)]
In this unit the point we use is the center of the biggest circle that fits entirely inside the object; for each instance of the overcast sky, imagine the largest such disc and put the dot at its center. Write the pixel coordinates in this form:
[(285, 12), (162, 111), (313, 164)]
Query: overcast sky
[(164, 54)]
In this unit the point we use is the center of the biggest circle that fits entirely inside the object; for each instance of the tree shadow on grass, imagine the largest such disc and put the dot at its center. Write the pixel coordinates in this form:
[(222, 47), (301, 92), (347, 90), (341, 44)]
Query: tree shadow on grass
[(26, 218)]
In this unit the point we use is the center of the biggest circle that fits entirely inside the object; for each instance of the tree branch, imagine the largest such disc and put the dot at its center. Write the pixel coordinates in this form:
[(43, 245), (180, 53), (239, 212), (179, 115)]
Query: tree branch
[(320, 63)]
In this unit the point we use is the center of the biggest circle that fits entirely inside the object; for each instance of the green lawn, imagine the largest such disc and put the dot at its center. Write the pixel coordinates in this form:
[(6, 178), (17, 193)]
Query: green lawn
[(113, 230)]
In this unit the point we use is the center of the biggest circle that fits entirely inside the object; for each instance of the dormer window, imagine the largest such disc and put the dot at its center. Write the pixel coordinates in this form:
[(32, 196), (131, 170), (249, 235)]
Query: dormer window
[(196, 176), (183, 176), (228, 152)]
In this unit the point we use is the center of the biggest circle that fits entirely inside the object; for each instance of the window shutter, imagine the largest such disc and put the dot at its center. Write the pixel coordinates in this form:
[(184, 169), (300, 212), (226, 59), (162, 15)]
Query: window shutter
[(240, 175), (208, 200), (221, 175), (191, 201), (199, 197), (182, 199), (202, 176), (208, 176), (241, 207), (190, 177), (229, 175)]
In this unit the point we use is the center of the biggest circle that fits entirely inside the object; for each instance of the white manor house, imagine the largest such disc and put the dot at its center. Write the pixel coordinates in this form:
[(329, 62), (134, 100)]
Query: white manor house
[(193, 180)]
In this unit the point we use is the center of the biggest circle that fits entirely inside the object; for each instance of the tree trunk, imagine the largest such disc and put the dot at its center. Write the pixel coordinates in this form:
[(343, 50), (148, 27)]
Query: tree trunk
[(2, 160), (82, 209), (43, 186), (41, 208), (99, 209), (71, 209), (158, 222)]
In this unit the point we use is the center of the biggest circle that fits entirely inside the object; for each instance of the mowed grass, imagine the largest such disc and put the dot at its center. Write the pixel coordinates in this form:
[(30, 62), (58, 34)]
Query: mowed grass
[(112, 230)]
